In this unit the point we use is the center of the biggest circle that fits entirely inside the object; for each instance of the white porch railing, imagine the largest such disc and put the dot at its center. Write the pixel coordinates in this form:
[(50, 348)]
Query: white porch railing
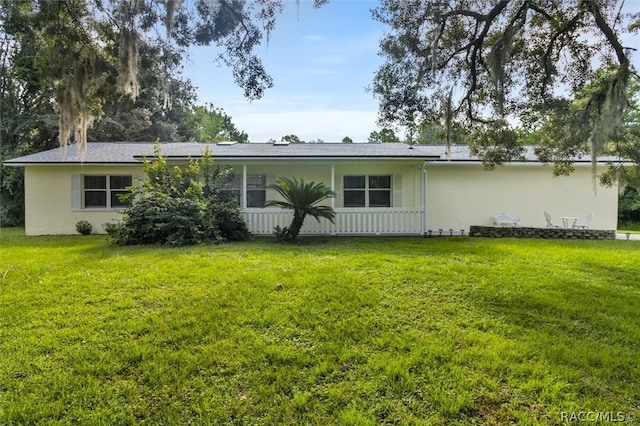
[(349, 221)]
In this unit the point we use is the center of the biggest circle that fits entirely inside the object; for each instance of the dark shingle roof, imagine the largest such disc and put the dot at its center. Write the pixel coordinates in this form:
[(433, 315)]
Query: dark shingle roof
[(98, 152), (132, 152)]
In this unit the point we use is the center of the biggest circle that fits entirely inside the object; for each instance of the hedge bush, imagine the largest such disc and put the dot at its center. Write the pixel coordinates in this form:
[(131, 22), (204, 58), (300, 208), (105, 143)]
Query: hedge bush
[(179, 206)]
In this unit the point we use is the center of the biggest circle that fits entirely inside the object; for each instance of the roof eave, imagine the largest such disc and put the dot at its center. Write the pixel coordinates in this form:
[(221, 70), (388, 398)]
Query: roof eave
[(71, 163), (306, 157)]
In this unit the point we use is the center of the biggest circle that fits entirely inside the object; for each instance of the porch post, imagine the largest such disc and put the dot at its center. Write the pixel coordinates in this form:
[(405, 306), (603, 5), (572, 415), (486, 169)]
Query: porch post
[(333, 199), (423, 198), (243, 197), (333, 185)]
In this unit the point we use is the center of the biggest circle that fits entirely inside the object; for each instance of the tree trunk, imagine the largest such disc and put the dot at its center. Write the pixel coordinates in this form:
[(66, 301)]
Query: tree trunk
[(296, 225)]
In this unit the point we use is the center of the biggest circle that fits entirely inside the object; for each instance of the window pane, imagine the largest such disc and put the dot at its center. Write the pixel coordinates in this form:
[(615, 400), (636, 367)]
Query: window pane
[(95, 182), (115, 201), (380, 198), (354, 182), (119, 182), (256, 182), (256, 198), (380, 182), (354, 198), (95, 198)]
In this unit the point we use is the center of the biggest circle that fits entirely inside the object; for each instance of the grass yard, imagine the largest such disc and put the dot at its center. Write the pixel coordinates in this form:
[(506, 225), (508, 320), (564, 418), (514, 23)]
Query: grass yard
[(633, 227), (350, 331)]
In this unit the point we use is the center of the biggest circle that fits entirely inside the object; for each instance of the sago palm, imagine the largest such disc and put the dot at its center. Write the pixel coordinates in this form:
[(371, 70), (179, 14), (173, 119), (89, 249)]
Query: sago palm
[(303, 198)]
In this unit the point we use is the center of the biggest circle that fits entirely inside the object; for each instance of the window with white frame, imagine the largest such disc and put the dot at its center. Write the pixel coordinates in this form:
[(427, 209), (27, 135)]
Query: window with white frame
[(256, 190), (103, 191), (367, 191), (232, 189)]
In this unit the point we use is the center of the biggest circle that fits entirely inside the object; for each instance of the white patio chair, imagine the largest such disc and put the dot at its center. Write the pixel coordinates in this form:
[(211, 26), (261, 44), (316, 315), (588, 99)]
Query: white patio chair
[(587, 222), (547, 217)]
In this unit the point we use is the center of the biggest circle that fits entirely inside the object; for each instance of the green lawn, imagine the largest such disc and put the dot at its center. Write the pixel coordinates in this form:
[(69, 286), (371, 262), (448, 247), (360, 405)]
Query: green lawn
[(328, 331)]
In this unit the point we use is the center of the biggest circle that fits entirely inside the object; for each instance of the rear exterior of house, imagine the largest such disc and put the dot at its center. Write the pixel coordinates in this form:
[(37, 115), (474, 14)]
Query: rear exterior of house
[(381, 189)]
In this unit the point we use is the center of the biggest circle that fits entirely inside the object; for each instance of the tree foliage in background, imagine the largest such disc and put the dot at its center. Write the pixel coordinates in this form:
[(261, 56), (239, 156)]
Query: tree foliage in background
[(499, 62), (291, 139), (88, 48), (211, 124), (47, 48), (629, 205), (383, 136), (179, 206), (28, 120)]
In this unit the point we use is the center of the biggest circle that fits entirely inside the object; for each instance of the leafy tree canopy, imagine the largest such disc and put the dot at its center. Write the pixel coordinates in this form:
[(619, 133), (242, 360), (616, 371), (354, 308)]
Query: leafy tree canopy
[(291, 139), (496, 63), (211, 124), (85, 48), (384, 135)]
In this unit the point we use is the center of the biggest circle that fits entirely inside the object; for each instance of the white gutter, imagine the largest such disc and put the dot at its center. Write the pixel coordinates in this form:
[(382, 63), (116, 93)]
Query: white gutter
[(73, 164), (519, 164)]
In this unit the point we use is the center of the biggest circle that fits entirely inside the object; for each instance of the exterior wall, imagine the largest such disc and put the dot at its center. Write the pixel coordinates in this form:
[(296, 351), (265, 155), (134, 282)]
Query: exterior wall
[(458, 196), (50, 206), (48, 199), (461, 195)]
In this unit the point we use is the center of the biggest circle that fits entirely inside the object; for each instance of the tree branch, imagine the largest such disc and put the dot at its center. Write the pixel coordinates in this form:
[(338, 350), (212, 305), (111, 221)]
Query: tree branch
[(476, 46), (613, 40), (240, 19), (549, 50)]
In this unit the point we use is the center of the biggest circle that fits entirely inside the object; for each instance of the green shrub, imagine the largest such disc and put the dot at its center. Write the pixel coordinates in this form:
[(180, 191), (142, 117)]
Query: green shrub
[(227, 217), (629, 205), (11, 191), (83, 227), (281, 233), (179, 206)]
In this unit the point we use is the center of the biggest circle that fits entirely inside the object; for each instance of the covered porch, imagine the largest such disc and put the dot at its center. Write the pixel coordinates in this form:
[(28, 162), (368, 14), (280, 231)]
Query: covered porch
[(372, 198)]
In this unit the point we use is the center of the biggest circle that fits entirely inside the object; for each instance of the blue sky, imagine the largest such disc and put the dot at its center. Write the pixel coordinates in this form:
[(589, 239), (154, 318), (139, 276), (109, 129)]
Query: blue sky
[(321, 61)]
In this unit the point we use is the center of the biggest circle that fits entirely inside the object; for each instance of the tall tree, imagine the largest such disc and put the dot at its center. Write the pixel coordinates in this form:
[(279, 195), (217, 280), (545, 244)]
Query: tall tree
[(211, 124), (291, 139), (28, 120), (30, 116), (383, 136), (80, 41), (504, 60)]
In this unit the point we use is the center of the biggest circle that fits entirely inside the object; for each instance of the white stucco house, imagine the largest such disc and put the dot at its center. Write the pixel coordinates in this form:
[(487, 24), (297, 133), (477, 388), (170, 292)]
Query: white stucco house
[(392, 189)]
